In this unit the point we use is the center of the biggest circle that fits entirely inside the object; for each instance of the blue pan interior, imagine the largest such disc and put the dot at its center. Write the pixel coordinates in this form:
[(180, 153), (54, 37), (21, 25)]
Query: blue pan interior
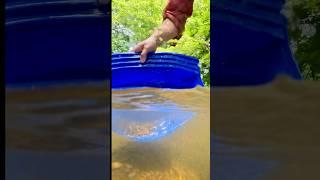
[(250, 46), (162, 70)]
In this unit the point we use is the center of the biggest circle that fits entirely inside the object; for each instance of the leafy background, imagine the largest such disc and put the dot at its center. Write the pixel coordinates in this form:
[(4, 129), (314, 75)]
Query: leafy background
[(304, 33), (134, 20)]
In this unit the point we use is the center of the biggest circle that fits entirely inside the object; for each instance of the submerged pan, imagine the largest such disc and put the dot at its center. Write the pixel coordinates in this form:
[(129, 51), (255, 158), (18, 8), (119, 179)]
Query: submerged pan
[(162, 70)]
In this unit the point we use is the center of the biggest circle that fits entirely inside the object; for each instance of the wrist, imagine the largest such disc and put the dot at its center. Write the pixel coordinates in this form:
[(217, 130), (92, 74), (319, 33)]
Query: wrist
[(157, 38)]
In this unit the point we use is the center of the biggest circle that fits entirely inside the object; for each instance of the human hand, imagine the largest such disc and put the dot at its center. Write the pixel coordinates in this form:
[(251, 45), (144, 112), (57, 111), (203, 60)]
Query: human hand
[(166, 32), (149, 45)]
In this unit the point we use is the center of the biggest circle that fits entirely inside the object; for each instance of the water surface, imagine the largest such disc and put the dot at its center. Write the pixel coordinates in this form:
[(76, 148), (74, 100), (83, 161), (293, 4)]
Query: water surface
[(57, 132), (266, 132), (183, 153)]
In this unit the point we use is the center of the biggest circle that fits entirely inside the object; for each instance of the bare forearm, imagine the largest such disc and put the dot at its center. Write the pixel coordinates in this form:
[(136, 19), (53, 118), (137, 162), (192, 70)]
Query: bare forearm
[(175, 15), (165, 32)]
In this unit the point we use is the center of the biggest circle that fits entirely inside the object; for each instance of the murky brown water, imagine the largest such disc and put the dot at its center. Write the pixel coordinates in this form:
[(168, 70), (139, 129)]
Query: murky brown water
[(183, 154), (57, 132), (267, 132)]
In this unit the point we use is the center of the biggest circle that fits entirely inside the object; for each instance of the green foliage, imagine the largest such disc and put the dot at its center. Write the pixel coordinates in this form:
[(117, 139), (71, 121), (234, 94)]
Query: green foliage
[(196, 38), (304, 31), (134, 20)]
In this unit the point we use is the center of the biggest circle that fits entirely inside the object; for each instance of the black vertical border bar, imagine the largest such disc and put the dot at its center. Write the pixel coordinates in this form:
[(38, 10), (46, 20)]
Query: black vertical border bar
[(105, 6)]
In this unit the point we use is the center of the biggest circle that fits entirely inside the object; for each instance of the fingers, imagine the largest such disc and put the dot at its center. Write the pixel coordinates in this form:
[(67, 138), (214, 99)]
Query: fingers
[(149, 45), (143, 55), (138, 47)]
